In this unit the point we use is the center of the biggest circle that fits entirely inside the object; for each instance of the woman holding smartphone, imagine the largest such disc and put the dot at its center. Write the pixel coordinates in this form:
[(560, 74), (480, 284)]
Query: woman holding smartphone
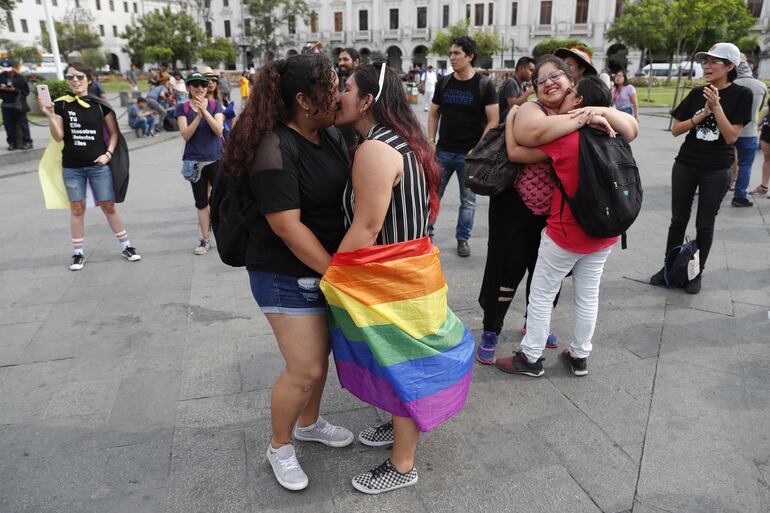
[(80, 120)]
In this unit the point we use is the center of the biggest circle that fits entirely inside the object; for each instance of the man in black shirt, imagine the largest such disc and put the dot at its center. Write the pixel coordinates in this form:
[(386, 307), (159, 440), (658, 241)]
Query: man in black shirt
[(13, 91), (466, 104), (517, 89)]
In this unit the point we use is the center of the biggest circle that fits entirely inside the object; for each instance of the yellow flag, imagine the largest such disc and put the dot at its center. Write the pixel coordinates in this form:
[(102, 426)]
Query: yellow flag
[(51, 178)]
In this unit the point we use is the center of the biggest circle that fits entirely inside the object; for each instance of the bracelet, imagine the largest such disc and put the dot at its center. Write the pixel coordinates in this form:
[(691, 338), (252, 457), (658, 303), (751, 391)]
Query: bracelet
[(693, 122), (108, 151)]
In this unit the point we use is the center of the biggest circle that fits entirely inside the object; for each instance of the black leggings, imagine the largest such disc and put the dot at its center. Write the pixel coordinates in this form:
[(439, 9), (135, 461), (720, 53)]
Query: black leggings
[(514, 239), (209, 175), (712, 185)]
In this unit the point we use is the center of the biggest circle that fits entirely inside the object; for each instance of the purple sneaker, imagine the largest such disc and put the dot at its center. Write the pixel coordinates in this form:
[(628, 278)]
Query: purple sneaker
[(485, 354), (551, 343)]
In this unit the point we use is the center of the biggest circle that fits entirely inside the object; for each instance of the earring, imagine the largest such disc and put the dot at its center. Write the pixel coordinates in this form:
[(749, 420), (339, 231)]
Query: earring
[(307, 114)]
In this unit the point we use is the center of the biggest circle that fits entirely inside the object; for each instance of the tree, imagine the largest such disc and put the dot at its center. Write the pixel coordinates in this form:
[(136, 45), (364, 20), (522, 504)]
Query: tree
[(93, 57), (218, 50), (487, 43), (6, 6), (73, 33), (176, 31), (267, 16), (642, 25), (21, 53), (158, 54), (548, 46)]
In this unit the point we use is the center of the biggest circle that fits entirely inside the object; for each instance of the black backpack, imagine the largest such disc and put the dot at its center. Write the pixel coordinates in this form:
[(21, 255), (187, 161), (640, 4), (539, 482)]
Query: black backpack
[(609, 194), (487, 169), (682, 264), (234, 207)]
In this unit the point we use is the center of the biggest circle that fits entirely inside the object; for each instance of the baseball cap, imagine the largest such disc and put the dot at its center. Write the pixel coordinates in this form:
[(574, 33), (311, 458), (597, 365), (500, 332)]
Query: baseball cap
[(579, 54), (314, 47), (727, 51), (6, 65), (196, 76)]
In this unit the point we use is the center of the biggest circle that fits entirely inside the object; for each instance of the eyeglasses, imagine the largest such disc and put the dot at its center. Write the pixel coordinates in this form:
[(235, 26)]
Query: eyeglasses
[(552, 76), (75, 76), (712, 62)]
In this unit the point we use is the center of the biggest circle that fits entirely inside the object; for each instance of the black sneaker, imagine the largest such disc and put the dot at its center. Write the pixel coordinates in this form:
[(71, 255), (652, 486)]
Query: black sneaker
[(78, 260), (463, 249), (658, 279), (693, 286), (578, 366), (384, 478), (378, 436), (27, 146), (519, 364), (742, 202), (130, 254)]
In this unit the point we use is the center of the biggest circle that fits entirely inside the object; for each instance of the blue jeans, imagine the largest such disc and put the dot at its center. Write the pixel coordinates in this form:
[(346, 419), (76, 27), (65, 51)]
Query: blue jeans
[(287, 295), (450, 164), (12, 120), (747, 150), (146, 124), (76, 179)]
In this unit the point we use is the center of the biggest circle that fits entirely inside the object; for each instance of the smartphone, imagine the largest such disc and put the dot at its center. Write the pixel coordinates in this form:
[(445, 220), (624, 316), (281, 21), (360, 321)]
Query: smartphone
[(44, 95)]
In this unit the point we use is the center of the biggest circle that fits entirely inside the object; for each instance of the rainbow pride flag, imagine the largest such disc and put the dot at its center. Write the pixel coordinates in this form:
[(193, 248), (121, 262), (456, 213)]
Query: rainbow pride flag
[(396, 343)]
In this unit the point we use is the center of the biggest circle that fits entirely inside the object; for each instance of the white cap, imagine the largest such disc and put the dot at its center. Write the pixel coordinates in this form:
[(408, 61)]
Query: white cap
[(727, 51)]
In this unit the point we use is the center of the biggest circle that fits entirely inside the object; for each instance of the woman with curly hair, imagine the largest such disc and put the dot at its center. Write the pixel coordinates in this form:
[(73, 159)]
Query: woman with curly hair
[(296, 167)]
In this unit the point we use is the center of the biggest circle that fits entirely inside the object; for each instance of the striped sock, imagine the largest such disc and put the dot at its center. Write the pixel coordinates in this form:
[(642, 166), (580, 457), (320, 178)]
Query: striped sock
[(123, 239), (77, 245)]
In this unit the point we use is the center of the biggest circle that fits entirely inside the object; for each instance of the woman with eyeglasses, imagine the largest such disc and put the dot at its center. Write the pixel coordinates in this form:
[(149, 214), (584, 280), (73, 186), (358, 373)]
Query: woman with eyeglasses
[(80, 121), (624, 95), (201, 122), (294, 163), (712, 117), (396, 344)]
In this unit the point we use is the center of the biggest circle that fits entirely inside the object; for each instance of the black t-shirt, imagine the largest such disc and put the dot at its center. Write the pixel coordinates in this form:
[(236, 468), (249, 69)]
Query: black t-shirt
[(313, 183), (83, 132), (704, 145), (511, 88), (19, 82), (462, 112)]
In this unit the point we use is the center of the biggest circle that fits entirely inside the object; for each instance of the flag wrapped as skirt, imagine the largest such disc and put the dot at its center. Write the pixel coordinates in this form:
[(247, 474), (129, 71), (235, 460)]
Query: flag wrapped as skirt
[(396, 343)]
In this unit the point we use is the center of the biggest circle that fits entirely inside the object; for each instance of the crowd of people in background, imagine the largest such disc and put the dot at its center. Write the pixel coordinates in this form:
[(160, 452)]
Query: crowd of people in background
[(342, 175)]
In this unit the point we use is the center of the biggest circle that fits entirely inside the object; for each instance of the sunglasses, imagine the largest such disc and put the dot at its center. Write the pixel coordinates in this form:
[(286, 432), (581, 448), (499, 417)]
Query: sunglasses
[(75, 76), (198, 84), (552, 76)]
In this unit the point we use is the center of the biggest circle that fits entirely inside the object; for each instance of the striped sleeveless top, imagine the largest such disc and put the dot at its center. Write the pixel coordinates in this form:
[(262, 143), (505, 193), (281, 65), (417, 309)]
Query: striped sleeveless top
[(407, 217)]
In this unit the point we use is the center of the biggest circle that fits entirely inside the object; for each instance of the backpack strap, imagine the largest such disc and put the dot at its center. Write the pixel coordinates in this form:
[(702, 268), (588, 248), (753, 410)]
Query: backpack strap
[(564, 197), (212, 106), (186, 107), (340, 146), (442, 84)]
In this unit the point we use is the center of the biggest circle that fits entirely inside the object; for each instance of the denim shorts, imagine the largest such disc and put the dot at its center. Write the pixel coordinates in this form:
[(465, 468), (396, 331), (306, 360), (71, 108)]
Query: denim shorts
[(100, 178), (281, 294)]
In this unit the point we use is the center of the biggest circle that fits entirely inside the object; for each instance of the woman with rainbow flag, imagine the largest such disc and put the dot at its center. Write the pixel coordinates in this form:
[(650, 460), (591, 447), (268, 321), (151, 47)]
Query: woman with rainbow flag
[(396, 343)]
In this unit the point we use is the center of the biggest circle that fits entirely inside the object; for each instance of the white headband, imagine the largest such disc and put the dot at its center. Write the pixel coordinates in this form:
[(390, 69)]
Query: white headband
[(381, 82)]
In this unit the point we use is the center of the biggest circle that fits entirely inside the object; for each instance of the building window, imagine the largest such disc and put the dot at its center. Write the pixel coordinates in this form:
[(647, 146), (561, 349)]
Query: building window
[(514, 13), (207, 4), (338, 21), (101, 30), (545, 12), (112, 5), (247, 27), (98, 5), (363, 20), (619, 8), (292, 24), (208, 29), (755, 6), (445, 16), (54, 3), (136, 8), (9, 22), (314, 22), (77, 4), (114, 31), (227, 28), (24, 27), (42, 26), (125, 6), (581, 11), (393, 19), (468, 12), (422, 17), (491, 14), (225, 3), (479, 15), (39, 2)]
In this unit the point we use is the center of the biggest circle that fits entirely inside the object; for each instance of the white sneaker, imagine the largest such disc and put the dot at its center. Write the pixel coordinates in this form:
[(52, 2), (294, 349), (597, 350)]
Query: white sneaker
[(78, 260), (203, 247), (325, 433), (286, 468)]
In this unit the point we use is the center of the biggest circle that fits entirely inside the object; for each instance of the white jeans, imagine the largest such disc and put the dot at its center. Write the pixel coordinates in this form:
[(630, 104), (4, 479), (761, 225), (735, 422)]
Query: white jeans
[(428, 97), (553, 264)]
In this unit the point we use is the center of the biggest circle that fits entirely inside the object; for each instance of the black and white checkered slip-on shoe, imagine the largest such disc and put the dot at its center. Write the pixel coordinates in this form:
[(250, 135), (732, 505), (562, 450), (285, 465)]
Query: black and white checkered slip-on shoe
[(384, 478), (377, 436)]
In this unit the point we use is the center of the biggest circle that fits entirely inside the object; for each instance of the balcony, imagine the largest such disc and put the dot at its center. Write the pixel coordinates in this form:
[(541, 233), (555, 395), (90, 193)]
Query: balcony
[(391, 34), (580, 29), (362, 35), (337, 37), (542, 30)]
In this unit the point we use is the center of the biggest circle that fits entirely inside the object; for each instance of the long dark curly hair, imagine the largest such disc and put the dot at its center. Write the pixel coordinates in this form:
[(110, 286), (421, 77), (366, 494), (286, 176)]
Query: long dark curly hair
[(273, 100), (393, 111)]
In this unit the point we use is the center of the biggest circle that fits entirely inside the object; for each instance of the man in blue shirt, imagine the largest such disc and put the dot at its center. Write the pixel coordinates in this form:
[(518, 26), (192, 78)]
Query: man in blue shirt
[(142, 118), (153, 100)]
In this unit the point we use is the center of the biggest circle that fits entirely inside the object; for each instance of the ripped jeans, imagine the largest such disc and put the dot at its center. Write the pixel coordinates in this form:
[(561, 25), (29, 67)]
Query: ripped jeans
[(288, 295)]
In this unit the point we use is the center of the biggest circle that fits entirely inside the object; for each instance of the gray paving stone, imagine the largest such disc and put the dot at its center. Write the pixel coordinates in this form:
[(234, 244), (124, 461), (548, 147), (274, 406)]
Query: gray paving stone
[(225, 412), (93, 398), (200, 460), (545, 490), (606, 473), (210, 368)]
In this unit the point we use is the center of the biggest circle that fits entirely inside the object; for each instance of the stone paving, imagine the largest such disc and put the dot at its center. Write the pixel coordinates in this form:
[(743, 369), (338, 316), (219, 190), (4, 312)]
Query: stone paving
[(144, 387)]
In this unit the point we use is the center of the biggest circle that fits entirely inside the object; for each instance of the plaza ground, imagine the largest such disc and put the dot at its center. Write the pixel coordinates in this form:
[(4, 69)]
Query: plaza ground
[(145, 387)]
